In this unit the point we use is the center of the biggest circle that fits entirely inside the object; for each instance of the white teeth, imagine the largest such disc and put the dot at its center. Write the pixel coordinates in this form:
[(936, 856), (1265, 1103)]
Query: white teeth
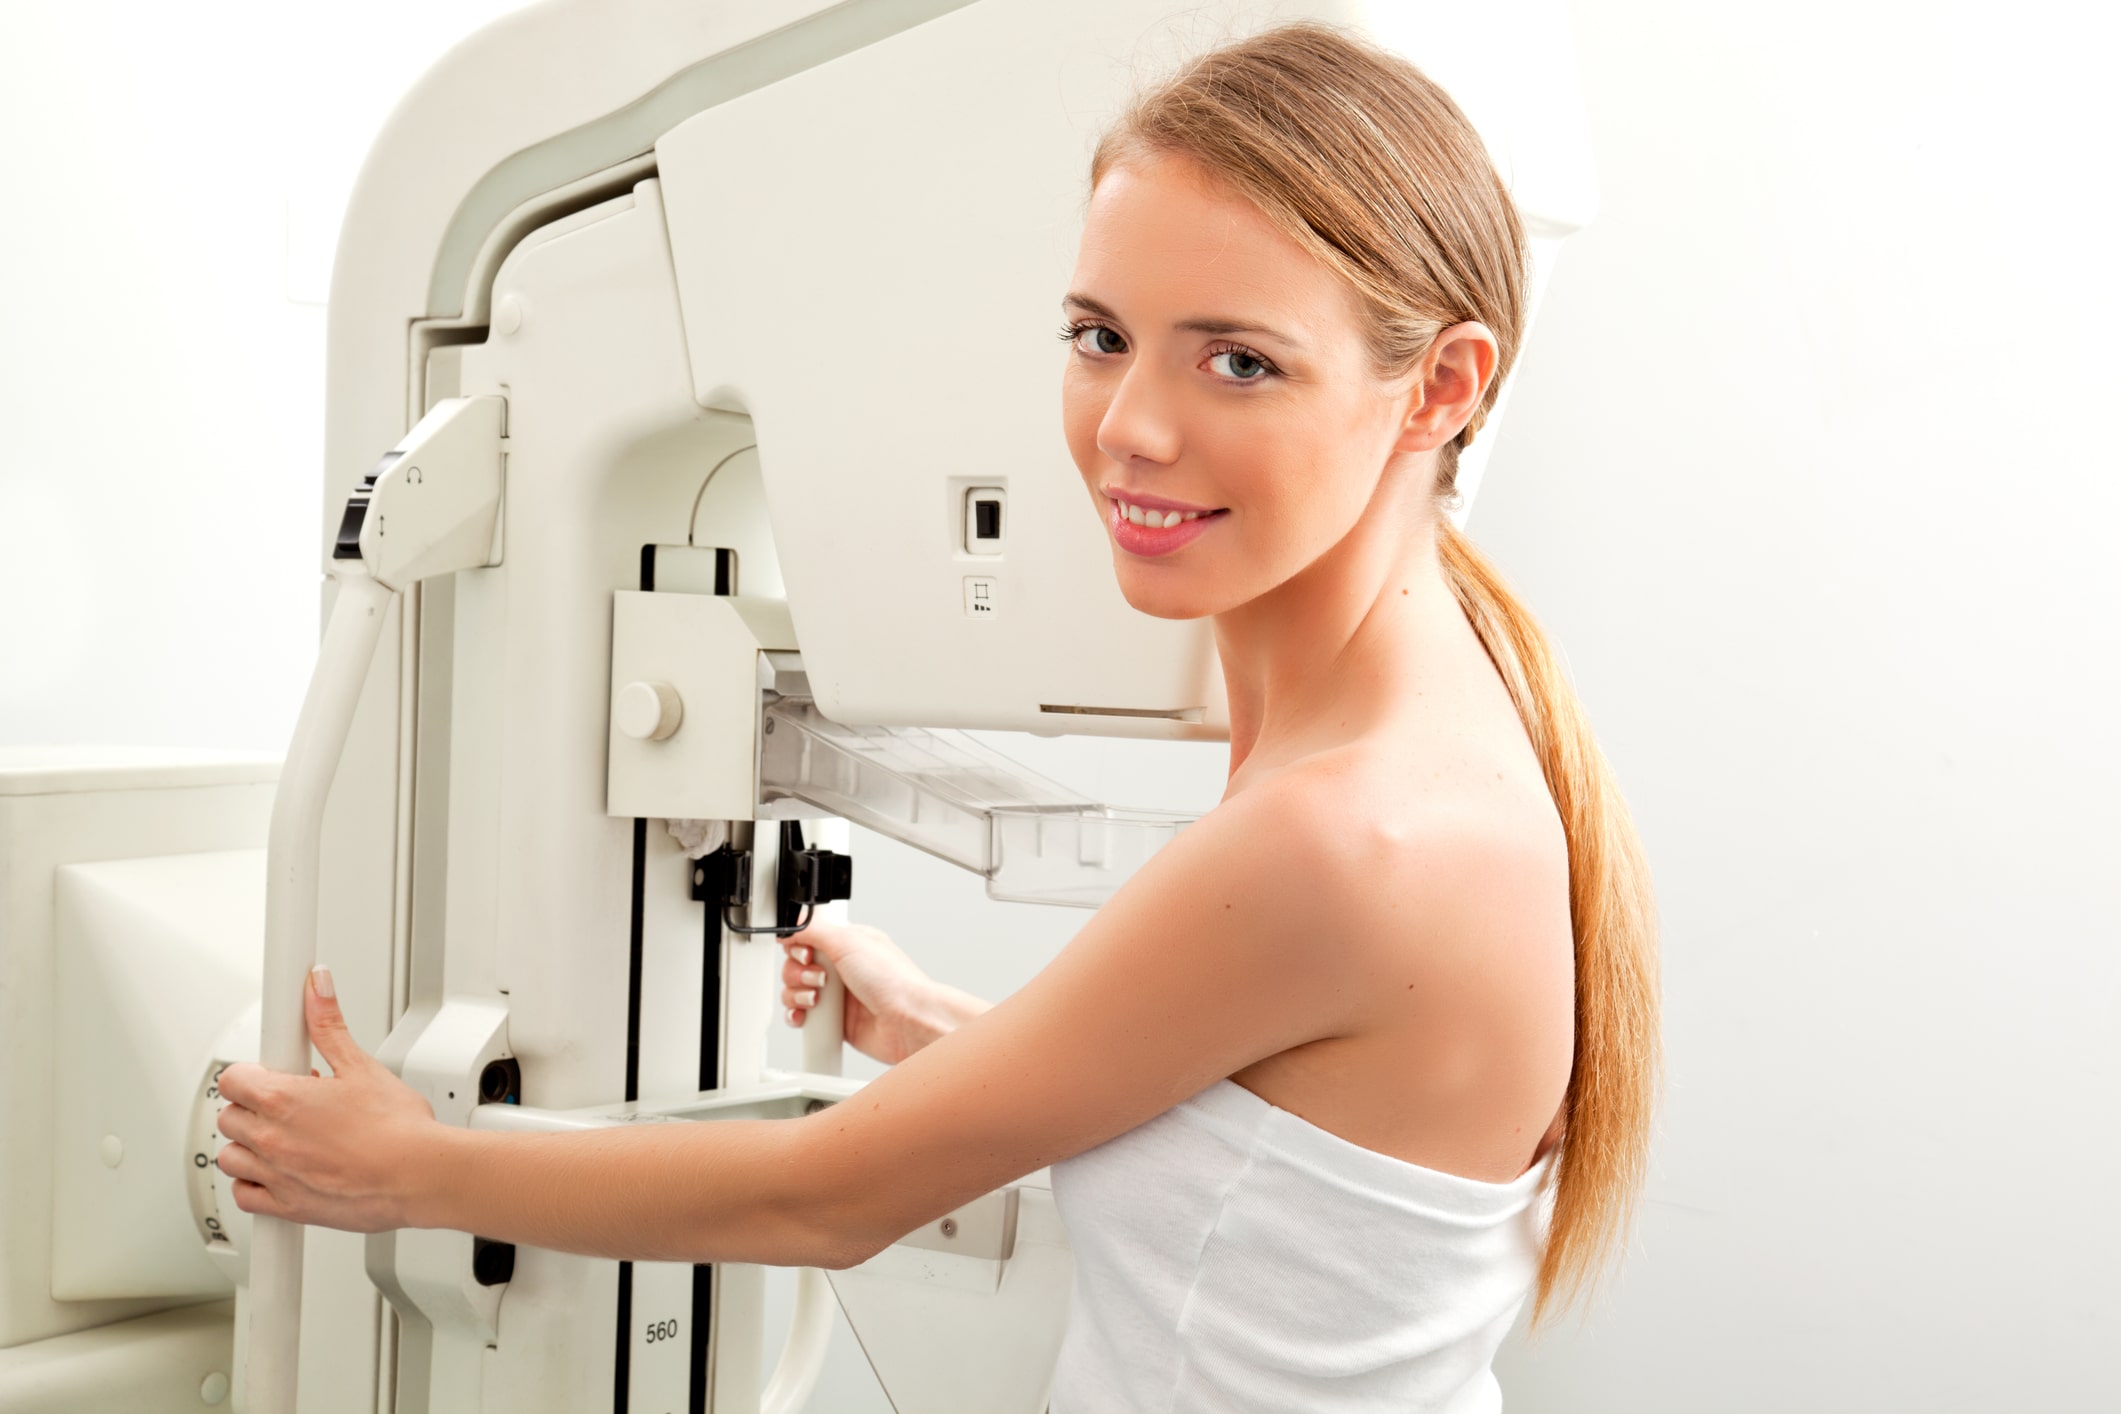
[(1155, 520)]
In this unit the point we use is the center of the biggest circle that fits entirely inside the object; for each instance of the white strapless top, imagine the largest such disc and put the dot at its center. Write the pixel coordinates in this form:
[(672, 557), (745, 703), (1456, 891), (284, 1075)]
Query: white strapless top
[(1231, 1256)]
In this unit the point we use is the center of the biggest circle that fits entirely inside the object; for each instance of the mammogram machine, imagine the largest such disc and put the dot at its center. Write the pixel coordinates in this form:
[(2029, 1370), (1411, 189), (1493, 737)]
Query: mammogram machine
[(694, 478)]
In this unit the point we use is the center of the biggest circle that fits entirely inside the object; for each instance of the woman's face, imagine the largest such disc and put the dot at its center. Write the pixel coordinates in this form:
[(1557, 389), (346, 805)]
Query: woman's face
[(1217, 371)]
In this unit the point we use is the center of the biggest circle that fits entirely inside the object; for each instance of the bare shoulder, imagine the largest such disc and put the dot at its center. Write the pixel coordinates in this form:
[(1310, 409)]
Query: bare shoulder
[(1400, 879), (1441, 891), (1435, 852)]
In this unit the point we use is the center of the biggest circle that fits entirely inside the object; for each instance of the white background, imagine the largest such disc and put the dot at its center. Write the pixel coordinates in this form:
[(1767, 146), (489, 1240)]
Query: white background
[(1809, 468)]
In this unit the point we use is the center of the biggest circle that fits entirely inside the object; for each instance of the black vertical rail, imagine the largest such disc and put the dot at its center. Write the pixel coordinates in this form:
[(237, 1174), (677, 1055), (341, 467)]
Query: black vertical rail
[(633, 962), (710, 1079), (710, 1073), (622, 1377), (622, 1366), (702, 1309), (703, 1275)]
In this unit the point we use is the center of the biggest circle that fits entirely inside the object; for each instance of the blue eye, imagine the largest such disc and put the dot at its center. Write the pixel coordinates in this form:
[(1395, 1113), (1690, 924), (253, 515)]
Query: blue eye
[(1244, 367), (1104, 339)]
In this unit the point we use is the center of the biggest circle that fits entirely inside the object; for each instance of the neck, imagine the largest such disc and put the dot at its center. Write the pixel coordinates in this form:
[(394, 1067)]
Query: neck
[(1322, 658)]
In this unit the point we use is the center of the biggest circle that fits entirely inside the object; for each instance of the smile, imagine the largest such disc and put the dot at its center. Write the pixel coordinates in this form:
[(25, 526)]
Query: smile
[(1157, 530), (1155, 518)]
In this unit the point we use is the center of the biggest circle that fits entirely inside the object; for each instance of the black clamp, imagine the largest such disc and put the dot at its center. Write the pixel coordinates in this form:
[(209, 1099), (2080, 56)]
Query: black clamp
[(820, 876), (723, 877), (808, 877)]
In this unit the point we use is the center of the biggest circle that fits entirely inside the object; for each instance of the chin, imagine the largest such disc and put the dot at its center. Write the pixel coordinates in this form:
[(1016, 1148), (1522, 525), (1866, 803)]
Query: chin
[(1163, 595)]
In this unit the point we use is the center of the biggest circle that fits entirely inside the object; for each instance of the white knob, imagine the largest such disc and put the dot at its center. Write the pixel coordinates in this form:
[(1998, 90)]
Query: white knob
[(648, 711)]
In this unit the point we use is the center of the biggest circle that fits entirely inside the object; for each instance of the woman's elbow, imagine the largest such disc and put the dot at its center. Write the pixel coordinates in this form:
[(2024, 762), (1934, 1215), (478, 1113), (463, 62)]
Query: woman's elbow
[(838, 1256)]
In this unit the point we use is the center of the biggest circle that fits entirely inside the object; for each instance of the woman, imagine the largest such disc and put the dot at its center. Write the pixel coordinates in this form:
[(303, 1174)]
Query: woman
[(1303, 1078)]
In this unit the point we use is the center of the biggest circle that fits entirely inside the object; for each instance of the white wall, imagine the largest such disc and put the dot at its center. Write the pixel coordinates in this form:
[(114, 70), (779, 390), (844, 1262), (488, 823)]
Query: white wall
[(1812, 470), (1808, 470), (172, 179)]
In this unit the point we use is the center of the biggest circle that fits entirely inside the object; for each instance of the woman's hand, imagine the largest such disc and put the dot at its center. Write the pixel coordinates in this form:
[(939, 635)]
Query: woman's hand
[(893, 1008), (342, 1151)]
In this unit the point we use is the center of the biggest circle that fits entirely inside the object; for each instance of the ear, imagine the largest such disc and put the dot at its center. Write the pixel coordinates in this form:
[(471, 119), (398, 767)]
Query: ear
[(1449, 382)]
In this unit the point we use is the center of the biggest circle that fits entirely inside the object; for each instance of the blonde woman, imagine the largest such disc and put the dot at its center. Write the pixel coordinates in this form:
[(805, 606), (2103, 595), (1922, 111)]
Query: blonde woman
[(1366, 1055)]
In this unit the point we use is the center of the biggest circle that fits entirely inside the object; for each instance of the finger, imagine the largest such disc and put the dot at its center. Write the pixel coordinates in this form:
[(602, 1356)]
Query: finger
[(257, 1198), (798, 952), (243, 1084), (795, 1017), (237, 1161), (327, 1024), (257, 1090), (241, 1126)]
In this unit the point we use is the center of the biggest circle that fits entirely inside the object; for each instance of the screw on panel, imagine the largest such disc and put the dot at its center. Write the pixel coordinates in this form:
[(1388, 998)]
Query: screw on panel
[(949, 1227)]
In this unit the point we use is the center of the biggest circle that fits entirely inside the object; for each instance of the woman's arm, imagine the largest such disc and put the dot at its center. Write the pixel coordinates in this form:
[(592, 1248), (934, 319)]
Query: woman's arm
[(1253, 932), (361, 1150), (893, 1008), (693, 1196), (672, 1191)]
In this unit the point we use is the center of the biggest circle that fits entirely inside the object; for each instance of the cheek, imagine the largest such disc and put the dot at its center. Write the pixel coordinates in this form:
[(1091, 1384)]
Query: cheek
[(1082, 409), (1256, 462), (1298, 476)]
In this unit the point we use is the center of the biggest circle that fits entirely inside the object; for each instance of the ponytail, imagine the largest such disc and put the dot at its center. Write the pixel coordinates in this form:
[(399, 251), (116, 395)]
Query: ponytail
[(1612, 1090)]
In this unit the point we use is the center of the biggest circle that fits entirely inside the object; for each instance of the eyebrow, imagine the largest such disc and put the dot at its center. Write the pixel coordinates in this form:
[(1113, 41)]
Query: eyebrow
[(1197, 326)]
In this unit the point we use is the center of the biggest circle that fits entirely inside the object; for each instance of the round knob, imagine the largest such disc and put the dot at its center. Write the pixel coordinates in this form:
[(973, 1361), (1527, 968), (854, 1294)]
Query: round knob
[(648, 711)]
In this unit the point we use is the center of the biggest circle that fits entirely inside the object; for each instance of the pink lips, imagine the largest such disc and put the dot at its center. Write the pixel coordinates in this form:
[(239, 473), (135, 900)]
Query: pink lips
[(1157, 540)]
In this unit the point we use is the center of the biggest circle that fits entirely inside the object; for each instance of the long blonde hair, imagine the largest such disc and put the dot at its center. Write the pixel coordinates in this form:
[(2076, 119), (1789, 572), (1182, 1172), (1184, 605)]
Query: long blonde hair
[(1368, 165)]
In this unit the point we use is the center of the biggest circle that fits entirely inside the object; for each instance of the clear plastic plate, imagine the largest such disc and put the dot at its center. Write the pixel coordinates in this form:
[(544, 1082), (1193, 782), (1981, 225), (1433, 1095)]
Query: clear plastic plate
[(1031, 838)]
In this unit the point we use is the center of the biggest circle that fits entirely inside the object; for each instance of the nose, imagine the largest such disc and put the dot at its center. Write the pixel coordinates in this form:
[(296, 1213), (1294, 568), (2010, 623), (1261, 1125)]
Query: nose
[(1140, 423)]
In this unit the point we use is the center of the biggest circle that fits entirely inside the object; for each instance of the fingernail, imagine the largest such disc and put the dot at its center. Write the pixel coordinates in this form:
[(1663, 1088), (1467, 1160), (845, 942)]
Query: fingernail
[(791, 1017), (815, 979), (808, 999), (802, 955), (320, 975)]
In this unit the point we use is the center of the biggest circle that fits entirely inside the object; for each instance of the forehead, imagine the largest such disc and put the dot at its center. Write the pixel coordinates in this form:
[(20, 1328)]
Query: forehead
[(1163, 240)]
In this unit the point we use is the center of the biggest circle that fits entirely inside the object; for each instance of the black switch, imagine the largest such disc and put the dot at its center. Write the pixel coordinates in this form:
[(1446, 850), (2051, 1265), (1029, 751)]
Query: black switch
[(987, 519)]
